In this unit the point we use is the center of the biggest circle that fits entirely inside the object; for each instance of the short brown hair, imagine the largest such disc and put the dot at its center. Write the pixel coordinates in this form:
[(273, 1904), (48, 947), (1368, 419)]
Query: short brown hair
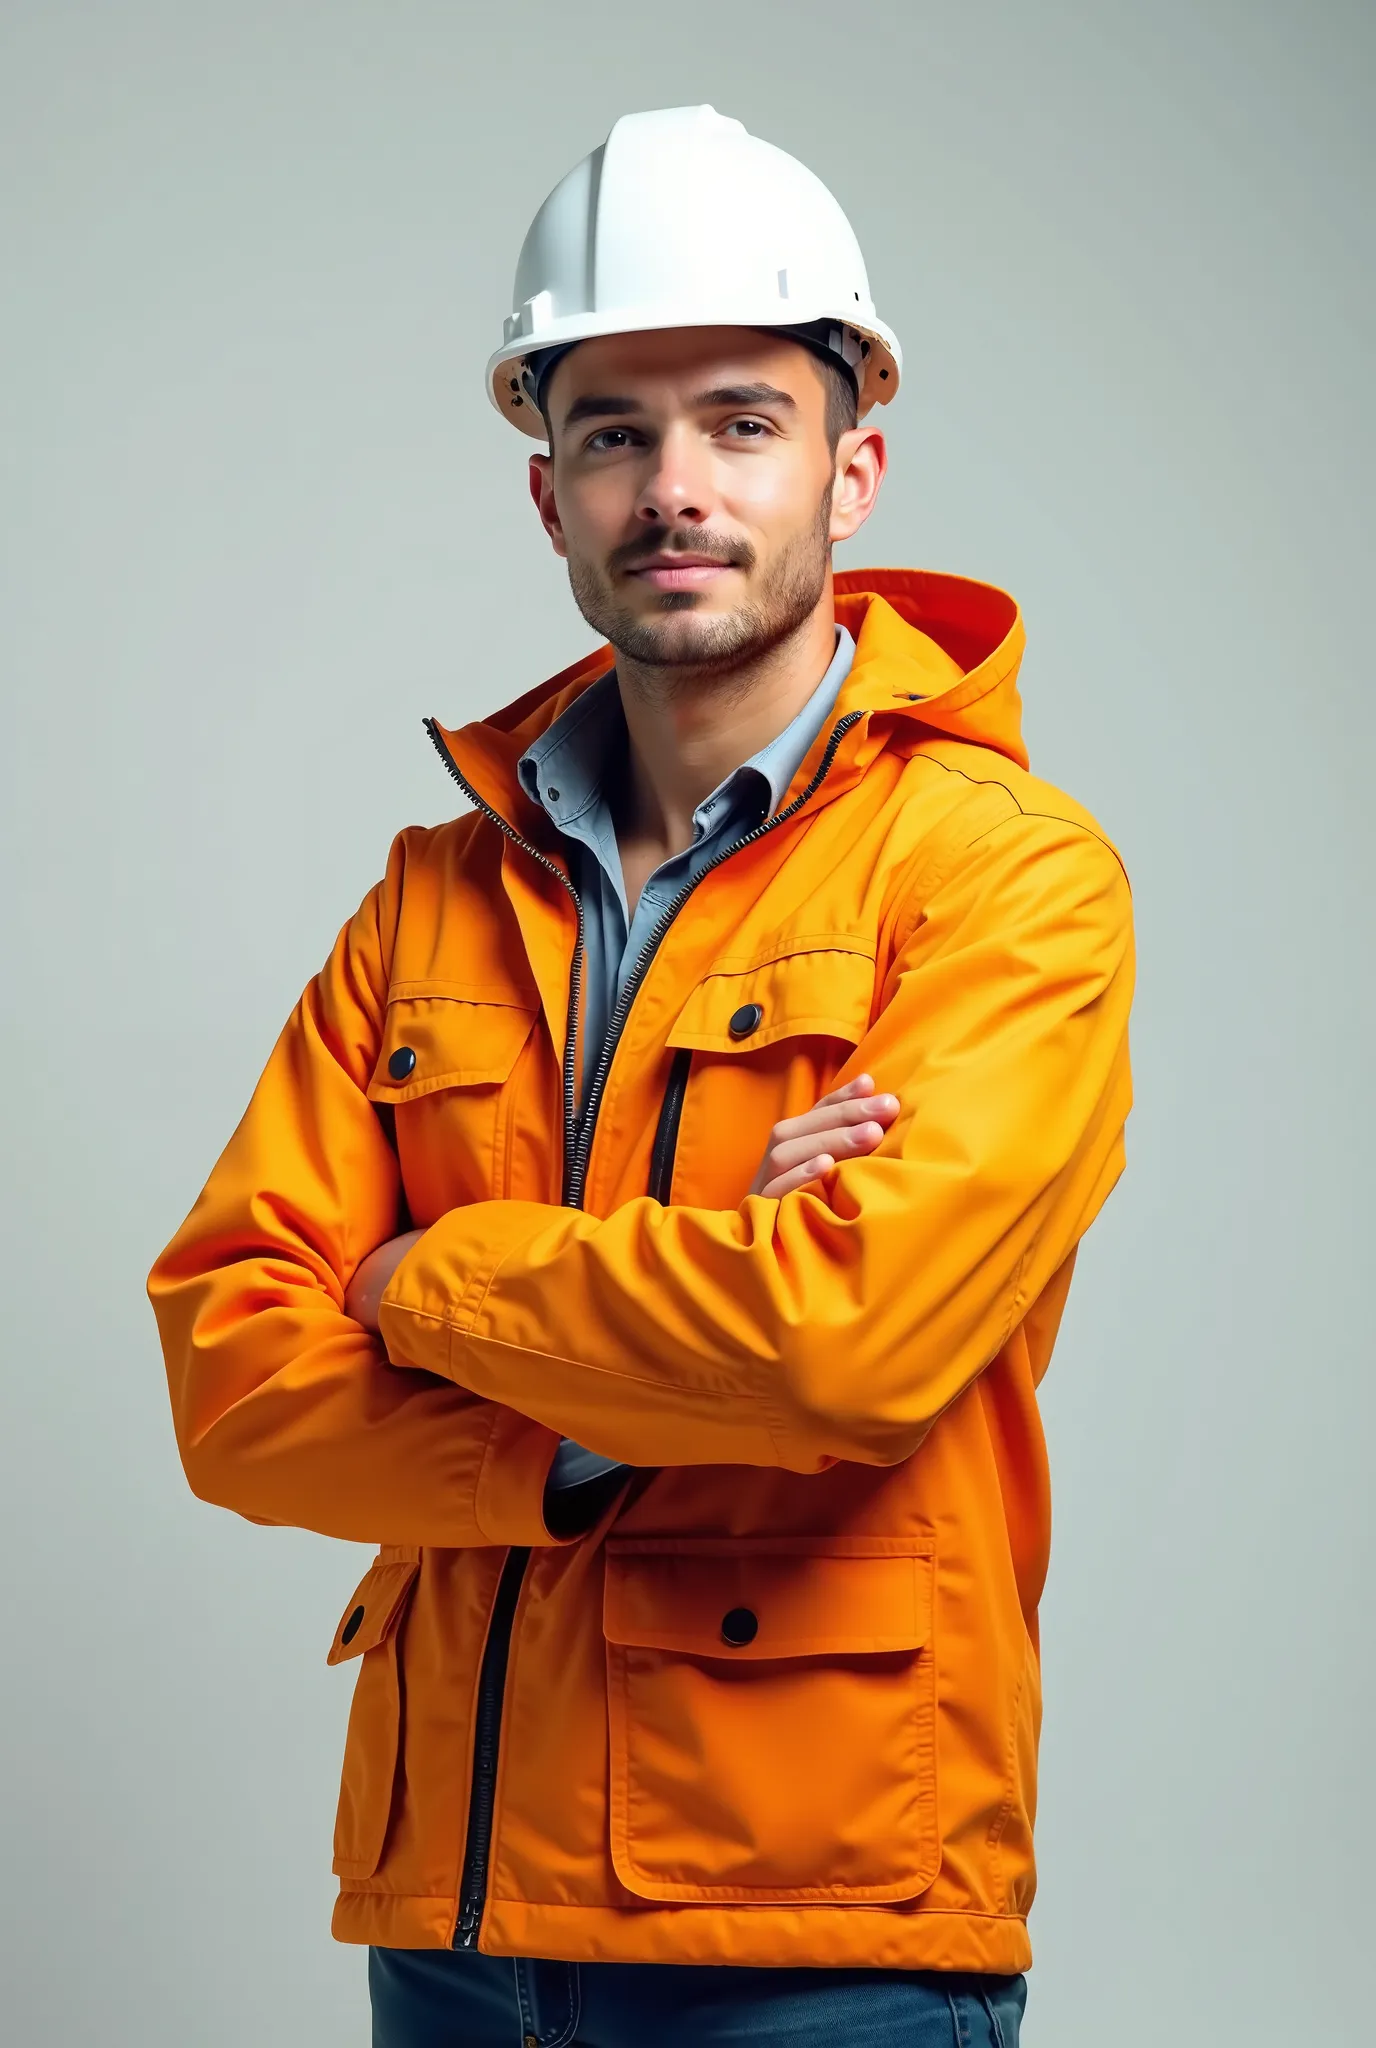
[(843, 404)]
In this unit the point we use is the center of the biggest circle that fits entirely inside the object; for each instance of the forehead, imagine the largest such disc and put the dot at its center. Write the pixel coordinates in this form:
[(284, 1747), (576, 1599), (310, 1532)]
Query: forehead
[(669, 368)]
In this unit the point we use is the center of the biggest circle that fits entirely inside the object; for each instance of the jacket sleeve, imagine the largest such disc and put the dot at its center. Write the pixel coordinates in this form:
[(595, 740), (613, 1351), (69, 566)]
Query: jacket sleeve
[(838, 1322), (285, 1408)]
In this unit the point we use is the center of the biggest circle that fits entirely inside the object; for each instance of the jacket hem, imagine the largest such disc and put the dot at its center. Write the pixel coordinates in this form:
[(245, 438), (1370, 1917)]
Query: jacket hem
[(821, 1937)]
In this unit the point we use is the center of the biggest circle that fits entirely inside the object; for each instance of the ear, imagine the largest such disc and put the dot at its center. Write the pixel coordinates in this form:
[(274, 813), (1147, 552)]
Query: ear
[(542, 491), (861, 461)]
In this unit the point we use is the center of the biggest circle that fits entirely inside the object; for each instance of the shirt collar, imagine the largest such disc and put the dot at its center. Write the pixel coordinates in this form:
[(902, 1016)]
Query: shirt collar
[(780, 760), (563, 770)]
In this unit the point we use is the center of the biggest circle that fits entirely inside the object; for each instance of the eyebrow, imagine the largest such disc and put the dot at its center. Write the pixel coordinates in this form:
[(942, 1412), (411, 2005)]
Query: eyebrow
[(602, 405), (598, 406), (745, 394)]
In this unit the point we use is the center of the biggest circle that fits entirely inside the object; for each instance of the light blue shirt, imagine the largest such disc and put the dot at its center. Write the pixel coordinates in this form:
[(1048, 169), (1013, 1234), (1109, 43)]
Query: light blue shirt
[(563, 771)]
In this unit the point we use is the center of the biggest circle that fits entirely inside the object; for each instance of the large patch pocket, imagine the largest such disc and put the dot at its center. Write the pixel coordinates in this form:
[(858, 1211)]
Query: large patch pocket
[(773, 1717), (449, 1052), (368, 1630)]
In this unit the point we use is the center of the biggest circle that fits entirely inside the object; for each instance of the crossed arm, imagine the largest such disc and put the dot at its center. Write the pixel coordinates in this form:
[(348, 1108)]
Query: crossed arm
[(846, 1124), (823, 1318)]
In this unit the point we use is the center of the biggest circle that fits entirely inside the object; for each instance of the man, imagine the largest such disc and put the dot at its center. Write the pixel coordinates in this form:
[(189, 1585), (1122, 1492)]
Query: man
[(654, 1222)]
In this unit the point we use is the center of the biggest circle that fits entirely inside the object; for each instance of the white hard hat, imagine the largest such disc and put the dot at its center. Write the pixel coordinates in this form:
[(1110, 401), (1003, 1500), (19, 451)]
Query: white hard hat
[(682, 219)]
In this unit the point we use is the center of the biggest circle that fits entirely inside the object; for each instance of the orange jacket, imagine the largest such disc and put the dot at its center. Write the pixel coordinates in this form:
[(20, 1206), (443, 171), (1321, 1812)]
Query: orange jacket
[(782, 1704)]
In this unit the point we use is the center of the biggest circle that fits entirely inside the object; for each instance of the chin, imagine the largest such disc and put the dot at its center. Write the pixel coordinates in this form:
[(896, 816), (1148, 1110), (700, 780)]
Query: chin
[(685, 637)]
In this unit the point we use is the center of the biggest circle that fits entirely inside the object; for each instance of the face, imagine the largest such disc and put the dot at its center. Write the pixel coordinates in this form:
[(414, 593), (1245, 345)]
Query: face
[(693, 490)]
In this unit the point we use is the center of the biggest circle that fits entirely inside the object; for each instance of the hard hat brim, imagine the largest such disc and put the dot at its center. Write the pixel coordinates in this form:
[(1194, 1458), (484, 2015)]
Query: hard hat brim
[(506, 387)]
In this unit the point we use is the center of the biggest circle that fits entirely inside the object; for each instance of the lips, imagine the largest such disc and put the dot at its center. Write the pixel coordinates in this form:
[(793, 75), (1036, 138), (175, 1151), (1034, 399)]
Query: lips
[(681, 572)]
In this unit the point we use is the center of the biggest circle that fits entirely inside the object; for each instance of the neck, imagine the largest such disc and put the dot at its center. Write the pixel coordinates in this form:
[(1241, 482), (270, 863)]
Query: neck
[(688, 729)]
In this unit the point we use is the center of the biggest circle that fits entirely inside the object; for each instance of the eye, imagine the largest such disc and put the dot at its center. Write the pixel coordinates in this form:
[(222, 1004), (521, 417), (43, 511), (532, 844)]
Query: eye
[(609, 441), (748, 429)]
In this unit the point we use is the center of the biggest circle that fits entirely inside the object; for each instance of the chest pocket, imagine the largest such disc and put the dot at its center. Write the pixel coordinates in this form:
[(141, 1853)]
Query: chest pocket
[(760, 1038), (446, 1080)]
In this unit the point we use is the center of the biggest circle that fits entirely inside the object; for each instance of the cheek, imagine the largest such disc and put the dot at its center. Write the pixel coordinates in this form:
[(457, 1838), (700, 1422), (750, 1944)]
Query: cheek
[(770, 494), (594, 510)]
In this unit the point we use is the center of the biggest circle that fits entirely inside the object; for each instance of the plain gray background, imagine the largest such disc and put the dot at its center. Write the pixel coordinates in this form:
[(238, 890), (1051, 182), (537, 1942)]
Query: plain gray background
[(258, 519)]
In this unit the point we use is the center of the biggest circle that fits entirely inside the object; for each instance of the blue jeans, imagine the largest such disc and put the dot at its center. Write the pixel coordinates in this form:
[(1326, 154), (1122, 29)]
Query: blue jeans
[(440, 1998)]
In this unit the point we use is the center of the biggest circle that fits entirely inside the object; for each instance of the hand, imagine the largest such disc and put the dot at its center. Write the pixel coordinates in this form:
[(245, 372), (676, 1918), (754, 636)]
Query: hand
[(363, 1295), (846, 1124)]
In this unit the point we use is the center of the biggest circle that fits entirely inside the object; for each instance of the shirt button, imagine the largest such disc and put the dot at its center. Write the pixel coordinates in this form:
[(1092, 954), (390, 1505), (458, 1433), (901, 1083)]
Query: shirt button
[(748, 1018), (739, 1627), (402, 1063), (552, 793), (355, 1623)]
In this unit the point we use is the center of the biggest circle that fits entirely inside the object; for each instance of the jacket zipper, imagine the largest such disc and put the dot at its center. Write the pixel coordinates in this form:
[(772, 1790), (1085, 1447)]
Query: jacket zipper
[(487, 1719), (578, 1136), (486, 1735)]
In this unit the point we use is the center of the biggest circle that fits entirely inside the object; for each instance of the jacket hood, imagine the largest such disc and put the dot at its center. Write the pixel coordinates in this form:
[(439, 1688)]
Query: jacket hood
[(936, 657), (956, 645)]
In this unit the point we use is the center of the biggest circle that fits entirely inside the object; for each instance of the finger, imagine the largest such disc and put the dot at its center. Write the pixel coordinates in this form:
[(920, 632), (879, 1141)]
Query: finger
[(863, 1084), (842, 1142), (819, 1123), (810, 1169), (835, 1116)]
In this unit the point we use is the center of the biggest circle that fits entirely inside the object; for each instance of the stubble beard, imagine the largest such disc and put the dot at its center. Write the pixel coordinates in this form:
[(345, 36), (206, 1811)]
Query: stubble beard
[(675, 650)]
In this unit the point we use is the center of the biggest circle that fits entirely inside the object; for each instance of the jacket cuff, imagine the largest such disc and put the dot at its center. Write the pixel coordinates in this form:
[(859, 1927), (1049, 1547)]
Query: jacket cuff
[(438, 1290)]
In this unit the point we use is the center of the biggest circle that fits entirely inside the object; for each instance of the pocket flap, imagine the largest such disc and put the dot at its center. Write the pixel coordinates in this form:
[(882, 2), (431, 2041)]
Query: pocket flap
[(374, 1611), (821, 987), (757, 1597), (443, 1037)]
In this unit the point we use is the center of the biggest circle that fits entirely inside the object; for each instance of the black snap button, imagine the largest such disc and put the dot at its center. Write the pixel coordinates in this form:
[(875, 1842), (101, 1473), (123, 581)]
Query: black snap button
[(739, 1627), (355, 1623), (402, 1063), (748, 1018)]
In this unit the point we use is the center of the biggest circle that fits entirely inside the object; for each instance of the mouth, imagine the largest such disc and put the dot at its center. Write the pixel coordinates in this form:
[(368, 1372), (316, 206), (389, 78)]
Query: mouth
[(681, 572)]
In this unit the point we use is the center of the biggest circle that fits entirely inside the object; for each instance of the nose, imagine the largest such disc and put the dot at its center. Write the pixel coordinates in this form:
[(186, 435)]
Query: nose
[(678, 487)]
